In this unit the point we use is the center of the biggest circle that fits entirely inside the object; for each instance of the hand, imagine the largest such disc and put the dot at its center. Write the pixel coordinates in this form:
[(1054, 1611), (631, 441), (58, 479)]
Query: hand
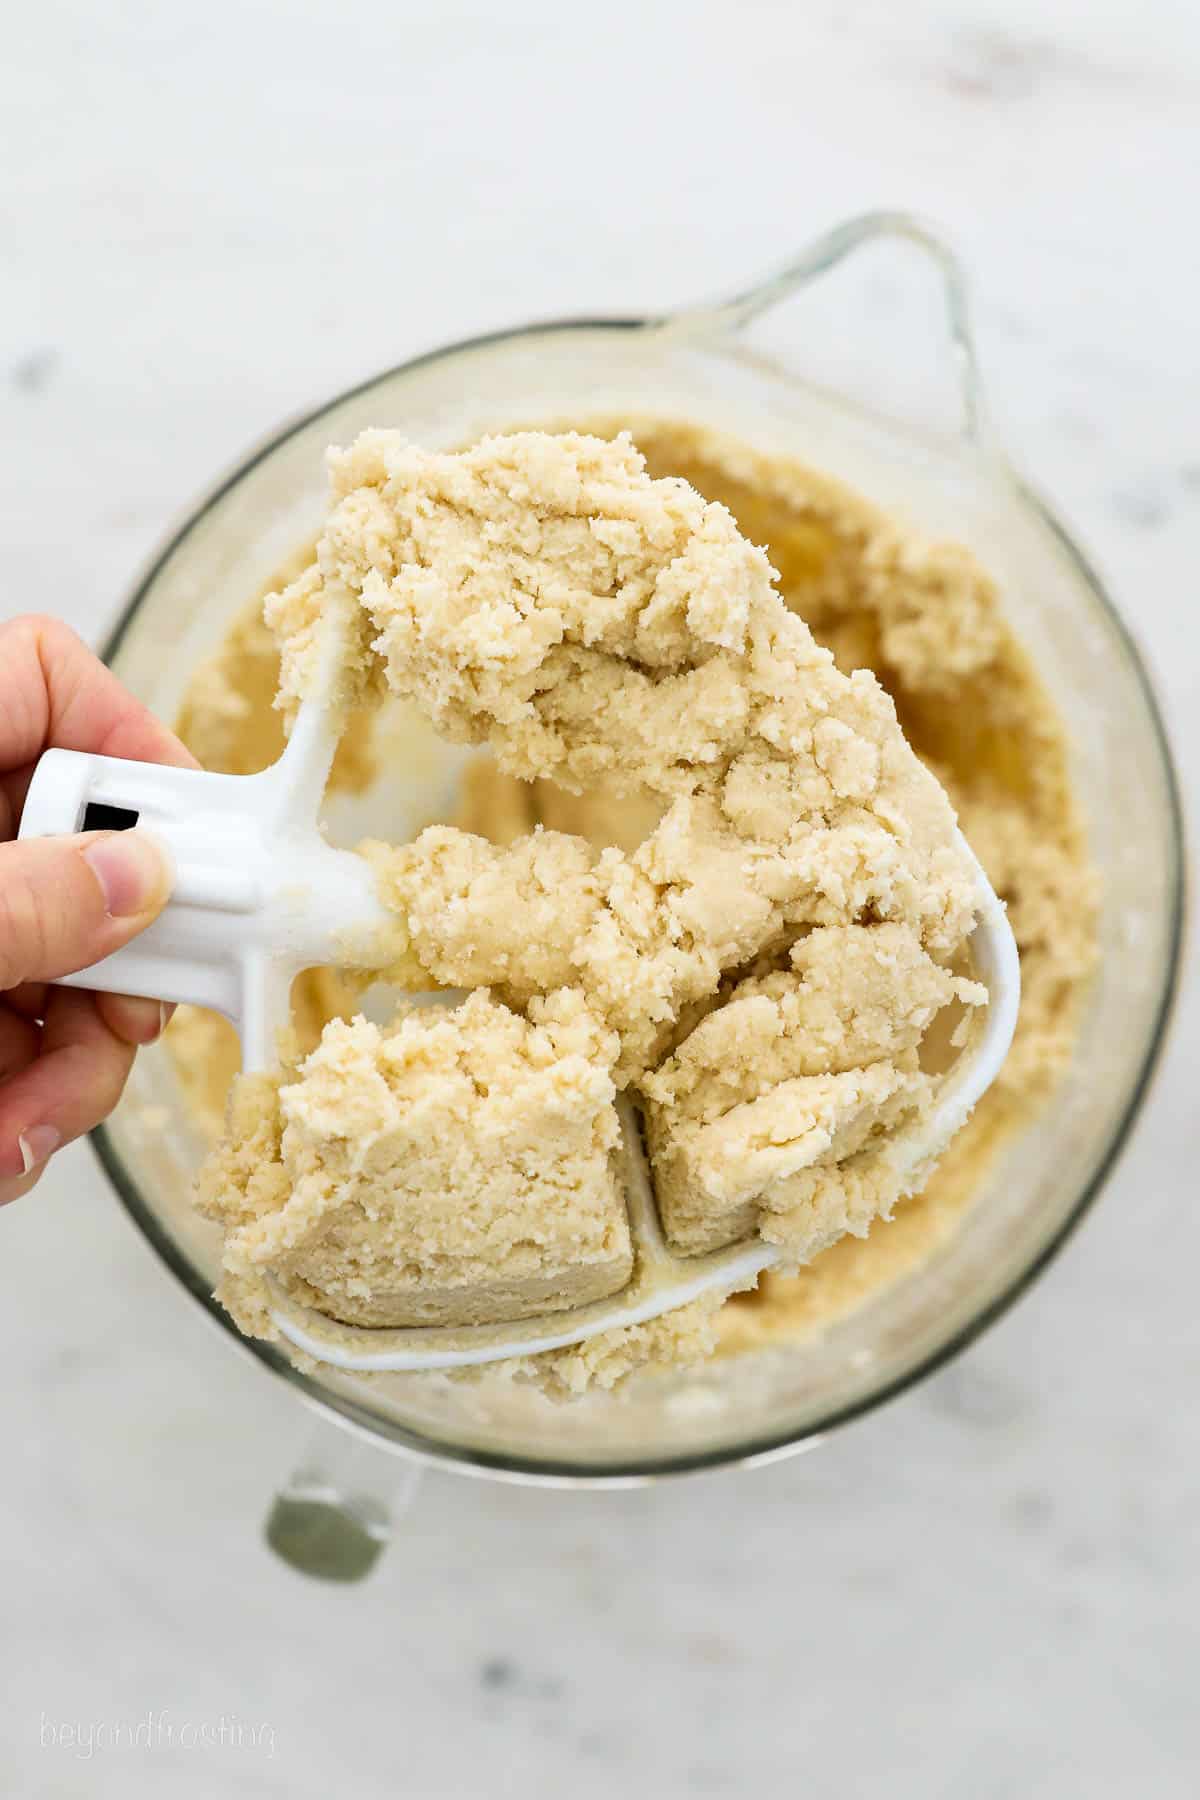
[(67, 901)]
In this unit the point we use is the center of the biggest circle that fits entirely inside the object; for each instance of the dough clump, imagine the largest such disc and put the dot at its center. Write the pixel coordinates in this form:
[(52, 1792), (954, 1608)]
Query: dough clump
[(761, 970), (930, 622), (459, 1167)]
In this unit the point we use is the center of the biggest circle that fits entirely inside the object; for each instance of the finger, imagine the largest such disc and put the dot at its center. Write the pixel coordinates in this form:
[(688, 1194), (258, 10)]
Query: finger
[(53, 691), (13, 1190), (20, 1041), (137, 1021), (66, 902), (133, 1020), (14, 785), (29, 1000), (74, 1083)]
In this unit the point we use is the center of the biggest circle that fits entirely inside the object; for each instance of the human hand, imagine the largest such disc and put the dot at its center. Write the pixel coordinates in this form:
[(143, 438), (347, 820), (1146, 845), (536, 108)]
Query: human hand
[(67, 901)]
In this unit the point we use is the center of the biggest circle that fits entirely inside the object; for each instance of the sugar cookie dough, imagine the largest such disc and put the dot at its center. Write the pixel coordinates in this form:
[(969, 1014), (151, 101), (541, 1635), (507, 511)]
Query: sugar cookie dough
[(543, 593), (458, 1168), (926, 619), (771, 1102)]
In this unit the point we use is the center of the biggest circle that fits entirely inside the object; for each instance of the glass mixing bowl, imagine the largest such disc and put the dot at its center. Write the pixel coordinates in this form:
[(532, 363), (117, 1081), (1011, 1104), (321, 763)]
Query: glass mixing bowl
[(710, 365)]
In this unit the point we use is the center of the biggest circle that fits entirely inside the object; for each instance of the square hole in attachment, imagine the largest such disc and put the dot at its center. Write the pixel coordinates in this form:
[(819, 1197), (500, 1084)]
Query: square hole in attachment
[(98, 817)]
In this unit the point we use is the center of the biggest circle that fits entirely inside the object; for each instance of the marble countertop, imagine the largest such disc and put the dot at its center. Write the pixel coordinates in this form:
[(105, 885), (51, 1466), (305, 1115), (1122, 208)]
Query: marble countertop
[(217, 216)]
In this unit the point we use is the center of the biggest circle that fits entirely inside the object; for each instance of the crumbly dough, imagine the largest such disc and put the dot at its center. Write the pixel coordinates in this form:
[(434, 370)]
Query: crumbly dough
[(543, 593), (459, 1167), (927, 619), (771, 1103)]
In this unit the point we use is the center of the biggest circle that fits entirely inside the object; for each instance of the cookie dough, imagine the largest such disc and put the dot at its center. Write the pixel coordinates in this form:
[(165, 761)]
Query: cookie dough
[(545, 594), (459, 1167), (928, 621), (773, 1101)]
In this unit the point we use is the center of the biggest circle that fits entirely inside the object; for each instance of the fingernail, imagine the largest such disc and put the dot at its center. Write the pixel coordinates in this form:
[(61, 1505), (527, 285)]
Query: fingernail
[(36, 1144), (131, 870), (142, 1021)]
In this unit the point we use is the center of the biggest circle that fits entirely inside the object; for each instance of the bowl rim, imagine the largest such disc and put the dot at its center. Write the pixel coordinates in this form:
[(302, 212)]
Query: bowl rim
[(770, 1446)]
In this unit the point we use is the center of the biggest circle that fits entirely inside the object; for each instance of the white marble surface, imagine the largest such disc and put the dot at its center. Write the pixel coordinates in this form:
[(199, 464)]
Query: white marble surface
[(215, 215)]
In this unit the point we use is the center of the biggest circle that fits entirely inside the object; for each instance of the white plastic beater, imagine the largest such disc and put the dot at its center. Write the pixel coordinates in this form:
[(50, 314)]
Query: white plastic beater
[(259, 895)]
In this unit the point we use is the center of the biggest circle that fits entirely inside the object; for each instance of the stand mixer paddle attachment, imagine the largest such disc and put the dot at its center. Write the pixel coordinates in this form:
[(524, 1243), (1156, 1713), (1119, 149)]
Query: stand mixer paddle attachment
[(259, 895)]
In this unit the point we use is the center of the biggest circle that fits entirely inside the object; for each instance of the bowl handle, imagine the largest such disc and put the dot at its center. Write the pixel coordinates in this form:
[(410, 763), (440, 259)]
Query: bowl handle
[(334, 1516), (826, 253)]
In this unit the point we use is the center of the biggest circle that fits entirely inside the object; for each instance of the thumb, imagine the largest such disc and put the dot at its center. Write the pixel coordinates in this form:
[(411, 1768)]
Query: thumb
[(65, 902)]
